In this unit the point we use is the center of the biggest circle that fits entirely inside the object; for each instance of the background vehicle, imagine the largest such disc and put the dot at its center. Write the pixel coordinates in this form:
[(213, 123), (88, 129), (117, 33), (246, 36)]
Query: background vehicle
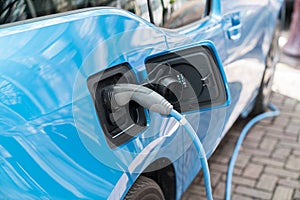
[(51, 142)]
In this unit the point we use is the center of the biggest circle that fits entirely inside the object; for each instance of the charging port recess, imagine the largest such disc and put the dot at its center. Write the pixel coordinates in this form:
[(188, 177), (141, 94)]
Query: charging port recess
[(118, 124), (198, 73)]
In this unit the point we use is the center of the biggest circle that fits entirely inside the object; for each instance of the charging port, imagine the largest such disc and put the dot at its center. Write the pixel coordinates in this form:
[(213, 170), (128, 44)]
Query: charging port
[(190, 78), (119, 124), (167, 82)]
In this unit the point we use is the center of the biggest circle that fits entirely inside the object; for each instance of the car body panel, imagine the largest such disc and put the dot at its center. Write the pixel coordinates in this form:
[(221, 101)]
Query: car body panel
[(51, 143), (39, 69)]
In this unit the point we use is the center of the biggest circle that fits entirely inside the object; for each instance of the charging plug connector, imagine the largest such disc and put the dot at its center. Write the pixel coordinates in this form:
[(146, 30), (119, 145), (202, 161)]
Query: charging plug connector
[(121, 94)]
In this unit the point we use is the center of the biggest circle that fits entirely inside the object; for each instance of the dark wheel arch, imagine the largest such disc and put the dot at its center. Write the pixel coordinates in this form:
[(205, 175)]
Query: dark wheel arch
[(163, 173)]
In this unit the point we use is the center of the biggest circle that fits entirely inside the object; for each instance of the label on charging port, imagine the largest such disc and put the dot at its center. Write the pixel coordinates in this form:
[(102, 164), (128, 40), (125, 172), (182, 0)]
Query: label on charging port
[(182, 80)]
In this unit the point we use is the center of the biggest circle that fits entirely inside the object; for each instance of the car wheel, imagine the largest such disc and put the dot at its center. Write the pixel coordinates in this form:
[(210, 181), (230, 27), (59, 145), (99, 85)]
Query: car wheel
[(265, 90), (145, 189)]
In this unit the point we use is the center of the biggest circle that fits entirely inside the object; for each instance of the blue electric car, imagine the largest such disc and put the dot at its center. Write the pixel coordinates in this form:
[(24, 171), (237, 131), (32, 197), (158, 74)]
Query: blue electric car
[(63, 135)]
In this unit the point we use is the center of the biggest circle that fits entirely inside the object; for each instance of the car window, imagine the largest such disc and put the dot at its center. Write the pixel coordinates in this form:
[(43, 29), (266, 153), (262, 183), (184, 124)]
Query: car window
[(18, 10), (165, 13), (174, 13), (178, 13)]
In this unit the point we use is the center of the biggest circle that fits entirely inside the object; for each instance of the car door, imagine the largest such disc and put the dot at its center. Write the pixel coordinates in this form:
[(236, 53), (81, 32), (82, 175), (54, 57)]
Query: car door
[(247, 37)]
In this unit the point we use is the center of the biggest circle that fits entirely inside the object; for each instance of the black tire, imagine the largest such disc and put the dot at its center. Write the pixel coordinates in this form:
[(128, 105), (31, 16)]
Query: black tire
[(265, 90), (145, 189)]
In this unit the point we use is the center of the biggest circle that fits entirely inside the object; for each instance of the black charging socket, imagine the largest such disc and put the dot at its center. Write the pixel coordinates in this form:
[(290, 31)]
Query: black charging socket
[(167, 82)]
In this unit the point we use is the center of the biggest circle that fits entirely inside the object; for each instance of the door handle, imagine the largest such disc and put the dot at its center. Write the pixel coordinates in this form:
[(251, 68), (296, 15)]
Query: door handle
[(234, 32)]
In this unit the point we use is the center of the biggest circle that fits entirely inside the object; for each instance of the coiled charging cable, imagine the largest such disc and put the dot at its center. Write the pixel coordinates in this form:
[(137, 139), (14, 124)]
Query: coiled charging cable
[(121, 94)]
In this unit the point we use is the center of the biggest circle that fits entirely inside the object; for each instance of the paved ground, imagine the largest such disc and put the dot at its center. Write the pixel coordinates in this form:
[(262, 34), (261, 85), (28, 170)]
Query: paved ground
[(268, 166)]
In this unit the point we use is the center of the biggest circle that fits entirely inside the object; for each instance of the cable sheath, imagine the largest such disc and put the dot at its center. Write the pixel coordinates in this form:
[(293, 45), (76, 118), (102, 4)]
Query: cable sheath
[(203, 160)]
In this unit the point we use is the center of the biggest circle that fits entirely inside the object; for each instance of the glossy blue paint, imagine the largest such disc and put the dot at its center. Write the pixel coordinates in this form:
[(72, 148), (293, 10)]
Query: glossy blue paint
[(51, 143)]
